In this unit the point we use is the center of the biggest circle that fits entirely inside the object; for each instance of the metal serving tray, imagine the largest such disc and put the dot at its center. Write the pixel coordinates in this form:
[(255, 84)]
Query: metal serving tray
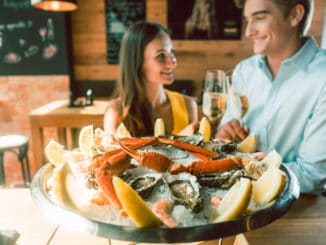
[(75, 221)]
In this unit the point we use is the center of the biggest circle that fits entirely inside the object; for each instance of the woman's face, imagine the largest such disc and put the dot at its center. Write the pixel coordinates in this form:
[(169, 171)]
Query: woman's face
[(270, 32), (159, 60)]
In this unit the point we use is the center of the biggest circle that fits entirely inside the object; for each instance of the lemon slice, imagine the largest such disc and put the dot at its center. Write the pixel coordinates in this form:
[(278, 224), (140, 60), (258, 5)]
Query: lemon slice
[(248, 145), (59, 176), (235, 201), (268, 186), (86, 139), (134, 205), (68, 192), (122, 131), (273, 159), (205, 129), (98, 136), (159, 127), (55, 152)]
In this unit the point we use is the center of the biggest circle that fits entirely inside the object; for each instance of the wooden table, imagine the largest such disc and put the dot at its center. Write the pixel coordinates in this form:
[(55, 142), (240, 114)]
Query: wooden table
[(57, 114), (305, 223)]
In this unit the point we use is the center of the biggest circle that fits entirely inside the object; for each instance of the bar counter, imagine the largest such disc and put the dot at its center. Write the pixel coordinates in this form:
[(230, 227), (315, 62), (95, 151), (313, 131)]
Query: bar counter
[(304, 223)]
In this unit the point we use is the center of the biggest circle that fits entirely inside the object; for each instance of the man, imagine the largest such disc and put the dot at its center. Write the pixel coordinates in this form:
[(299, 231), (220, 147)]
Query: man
[(285, 82)]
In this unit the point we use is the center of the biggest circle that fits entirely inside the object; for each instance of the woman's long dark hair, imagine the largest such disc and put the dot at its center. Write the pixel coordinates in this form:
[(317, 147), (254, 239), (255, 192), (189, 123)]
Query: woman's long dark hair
[(131, 85)]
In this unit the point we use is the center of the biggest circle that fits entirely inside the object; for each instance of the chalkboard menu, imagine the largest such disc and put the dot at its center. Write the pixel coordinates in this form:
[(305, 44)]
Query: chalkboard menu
[(120, 14), (32, 41)]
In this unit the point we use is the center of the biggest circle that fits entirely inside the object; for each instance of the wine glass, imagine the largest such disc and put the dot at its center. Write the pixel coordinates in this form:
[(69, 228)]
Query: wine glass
[(214, 96), (237, 102)]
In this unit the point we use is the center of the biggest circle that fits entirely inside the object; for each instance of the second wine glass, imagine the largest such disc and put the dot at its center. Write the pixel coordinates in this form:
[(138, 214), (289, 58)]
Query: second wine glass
[(238, 102), (214, 97)]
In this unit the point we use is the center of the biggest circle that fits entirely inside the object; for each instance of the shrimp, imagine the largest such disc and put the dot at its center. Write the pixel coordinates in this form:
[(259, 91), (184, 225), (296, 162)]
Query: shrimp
[(162, 209)]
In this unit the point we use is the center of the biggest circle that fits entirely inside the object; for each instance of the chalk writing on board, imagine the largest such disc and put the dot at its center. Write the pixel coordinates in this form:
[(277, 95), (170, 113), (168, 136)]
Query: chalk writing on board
[(120, 14), (31, 41)]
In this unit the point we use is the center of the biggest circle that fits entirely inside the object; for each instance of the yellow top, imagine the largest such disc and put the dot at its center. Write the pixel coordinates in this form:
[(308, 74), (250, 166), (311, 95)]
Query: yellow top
[(179, 111)]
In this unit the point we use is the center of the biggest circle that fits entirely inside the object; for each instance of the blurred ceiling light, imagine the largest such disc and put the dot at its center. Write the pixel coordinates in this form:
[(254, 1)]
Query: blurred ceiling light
[(55, 5)]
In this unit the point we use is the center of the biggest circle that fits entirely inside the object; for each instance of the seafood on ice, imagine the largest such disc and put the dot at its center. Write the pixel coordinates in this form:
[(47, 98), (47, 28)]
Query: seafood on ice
[(179, 178)]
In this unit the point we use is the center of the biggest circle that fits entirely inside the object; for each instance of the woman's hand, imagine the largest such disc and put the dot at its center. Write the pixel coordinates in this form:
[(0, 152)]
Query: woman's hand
[(233, 131)]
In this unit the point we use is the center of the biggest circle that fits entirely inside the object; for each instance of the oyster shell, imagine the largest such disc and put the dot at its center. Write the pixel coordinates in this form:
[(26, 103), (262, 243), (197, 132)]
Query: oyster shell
[(145, 184), (142, 179), (222, 180), (184, 190), (221, 147)]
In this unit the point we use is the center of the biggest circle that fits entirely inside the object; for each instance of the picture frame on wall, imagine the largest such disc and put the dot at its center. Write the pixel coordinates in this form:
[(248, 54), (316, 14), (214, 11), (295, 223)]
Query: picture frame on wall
[(120, 14), (32, 41), (204, 19)]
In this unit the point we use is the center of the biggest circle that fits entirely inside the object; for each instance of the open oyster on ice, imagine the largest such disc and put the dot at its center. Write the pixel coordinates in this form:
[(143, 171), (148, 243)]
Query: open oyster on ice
[(184, 190)]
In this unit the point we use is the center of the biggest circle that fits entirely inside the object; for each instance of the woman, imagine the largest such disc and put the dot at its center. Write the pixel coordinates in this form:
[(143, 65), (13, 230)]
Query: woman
[(147, 63)]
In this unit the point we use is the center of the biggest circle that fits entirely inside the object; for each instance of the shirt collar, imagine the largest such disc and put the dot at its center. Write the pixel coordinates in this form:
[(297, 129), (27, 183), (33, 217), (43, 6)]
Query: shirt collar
[(301, 58)]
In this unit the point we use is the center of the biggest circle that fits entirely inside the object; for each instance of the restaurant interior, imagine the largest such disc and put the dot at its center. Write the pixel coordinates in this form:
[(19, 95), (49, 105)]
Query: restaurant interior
[(47, 101)]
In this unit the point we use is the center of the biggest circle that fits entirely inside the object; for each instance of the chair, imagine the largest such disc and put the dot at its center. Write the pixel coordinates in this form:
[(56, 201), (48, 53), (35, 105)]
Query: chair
[(19, 145)]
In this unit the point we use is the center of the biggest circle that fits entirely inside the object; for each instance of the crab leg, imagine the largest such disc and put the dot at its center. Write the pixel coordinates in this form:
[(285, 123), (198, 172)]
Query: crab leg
[(104, 180), (214, 166), (186, 146), (136, 143), (153, 160)]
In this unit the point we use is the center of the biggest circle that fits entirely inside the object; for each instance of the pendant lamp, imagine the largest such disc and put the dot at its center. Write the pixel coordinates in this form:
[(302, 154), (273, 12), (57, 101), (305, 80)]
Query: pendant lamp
[(55, 5)]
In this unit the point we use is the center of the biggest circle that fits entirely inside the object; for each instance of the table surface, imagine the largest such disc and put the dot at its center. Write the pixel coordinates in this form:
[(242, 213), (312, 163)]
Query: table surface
[(305, 223), (57, 114)]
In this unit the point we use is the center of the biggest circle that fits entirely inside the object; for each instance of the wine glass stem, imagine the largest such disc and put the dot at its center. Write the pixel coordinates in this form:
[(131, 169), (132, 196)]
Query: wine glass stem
[(241, 122)]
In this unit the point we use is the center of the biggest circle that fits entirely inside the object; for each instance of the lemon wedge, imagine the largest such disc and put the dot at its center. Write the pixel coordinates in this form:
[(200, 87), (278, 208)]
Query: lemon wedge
[(134, 205), (122, 131), (205, 129), (67, 190), (273, 159), (248, 145), (159, 127), (55, 152), (86, 139), (98, 136), (235, 201), (59, 185), (268, 186)]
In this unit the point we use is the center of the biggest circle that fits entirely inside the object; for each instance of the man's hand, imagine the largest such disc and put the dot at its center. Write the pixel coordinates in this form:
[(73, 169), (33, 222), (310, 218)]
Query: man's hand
[(233, 131)]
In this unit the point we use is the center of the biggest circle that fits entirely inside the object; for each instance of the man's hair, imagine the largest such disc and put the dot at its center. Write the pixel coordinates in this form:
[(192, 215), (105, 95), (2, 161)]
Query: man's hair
[(286, 7)]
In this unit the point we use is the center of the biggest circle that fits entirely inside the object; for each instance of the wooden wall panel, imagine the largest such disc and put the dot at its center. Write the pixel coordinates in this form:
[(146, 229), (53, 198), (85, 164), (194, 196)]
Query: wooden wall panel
[(194, 57)]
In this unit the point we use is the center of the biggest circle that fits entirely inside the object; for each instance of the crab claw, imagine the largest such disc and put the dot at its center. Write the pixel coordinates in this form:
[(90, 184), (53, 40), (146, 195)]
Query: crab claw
[(104, 180), (153, 160)]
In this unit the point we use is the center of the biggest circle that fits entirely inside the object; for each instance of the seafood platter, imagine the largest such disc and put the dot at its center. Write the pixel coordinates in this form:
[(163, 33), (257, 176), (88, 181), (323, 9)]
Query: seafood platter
[(165, 189)]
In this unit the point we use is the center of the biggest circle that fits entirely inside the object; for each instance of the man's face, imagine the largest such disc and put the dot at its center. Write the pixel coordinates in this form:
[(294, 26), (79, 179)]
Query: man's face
[(270, 31)]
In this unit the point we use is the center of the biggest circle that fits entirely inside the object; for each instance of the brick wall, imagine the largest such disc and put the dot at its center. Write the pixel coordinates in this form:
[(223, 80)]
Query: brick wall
[(18, 96)]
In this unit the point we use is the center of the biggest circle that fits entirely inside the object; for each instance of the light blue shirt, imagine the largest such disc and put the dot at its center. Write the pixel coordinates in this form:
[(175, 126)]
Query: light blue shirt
[(288, 114)]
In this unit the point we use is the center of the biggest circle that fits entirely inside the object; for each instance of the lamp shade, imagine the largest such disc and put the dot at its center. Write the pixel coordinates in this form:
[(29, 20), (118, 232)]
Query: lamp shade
[(55, 5)]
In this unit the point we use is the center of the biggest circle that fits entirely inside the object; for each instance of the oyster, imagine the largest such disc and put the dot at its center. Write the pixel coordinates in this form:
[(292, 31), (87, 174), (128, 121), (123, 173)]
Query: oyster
[(184, 190), (222, 147), (222, 180), (194, 139), (141, 179), (145, 184)]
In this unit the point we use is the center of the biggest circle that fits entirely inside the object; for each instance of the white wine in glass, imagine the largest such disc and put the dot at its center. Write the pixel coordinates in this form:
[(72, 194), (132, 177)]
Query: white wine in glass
[(237, 103), (214, 97)]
